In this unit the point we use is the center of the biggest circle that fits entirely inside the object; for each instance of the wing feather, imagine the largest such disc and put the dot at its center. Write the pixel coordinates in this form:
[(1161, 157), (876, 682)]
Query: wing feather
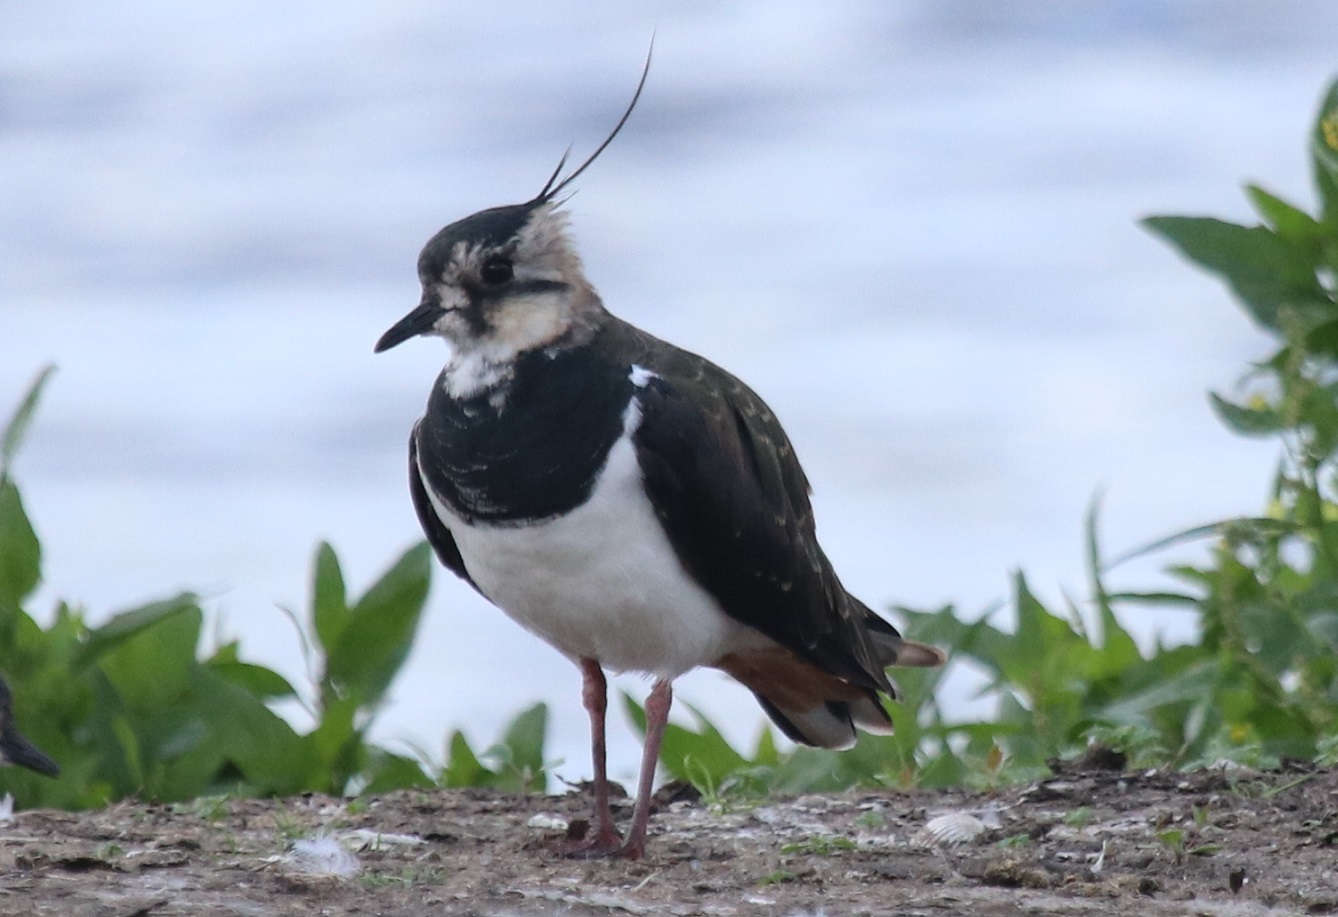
[(724, 480)]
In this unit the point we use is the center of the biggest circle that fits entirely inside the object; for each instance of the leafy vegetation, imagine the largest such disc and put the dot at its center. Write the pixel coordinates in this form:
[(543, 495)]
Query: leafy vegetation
[(515, 763), (129, 707), (132, 707), (138, 706), (1261, 682)]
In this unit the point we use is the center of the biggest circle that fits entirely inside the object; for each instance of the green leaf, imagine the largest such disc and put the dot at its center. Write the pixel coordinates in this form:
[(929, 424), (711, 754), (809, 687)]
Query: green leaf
[(943, 770), (703, 758), (463, 768), (517, 759), (1322, 340), (127, 624), (329, 602), (337, 744), (257, 680), (271, 757), (1118, 649), (1194, 683), (387, 772), (152, 662), (1266, 272), (1324, 152), (1039, 632), (1198, 532), (1263, 421), (519, 754), (128, 745), (806, 770), (379, 634), (1287, 220), (20, 554), (635, 712), (524, 738), (766, 753), (21, 418), (979, 641), (1156, 598)]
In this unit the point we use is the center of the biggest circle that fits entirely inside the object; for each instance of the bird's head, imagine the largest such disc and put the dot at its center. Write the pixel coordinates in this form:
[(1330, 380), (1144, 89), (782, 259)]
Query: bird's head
[(508, 280), (501, 281)]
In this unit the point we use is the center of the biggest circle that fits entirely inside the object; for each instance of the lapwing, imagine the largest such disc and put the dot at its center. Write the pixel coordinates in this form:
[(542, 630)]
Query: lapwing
[(14, 748), (629, 502)]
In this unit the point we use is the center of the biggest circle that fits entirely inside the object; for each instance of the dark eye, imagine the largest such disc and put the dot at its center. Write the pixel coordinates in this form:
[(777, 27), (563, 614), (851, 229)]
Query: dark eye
[(497, 271)]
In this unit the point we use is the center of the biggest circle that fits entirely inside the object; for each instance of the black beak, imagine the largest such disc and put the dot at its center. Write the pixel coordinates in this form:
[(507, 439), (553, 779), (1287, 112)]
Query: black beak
[(15, 749), (419, 321)]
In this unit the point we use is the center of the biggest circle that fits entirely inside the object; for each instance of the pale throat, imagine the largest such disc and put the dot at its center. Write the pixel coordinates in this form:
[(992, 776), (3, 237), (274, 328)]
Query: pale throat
[(515, 326)]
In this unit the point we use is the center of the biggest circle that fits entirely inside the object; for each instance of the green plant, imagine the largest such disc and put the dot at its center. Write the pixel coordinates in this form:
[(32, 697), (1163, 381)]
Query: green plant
[(1054, 678), (1260, 684), (514, 763), (1268, 679), (871, 820), (705, 758), (358, 648), (1080, 817), (1173, 839), (131, 706)]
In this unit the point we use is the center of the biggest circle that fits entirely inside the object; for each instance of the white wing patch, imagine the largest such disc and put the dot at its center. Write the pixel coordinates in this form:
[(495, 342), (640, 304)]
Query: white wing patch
[(640, 376)]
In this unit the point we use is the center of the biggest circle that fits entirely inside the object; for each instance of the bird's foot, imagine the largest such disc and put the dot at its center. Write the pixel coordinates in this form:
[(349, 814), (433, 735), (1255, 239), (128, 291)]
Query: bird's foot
[(584, 844), (631, 849), (617, 849)]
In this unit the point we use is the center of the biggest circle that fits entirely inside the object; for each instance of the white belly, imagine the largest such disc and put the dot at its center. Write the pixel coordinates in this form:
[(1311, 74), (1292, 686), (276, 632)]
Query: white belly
[(601, 582)]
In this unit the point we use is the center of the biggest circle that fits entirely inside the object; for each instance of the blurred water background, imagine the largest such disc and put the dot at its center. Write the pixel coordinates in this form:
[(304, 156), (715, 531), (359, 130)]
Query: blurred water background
[(909, 225)]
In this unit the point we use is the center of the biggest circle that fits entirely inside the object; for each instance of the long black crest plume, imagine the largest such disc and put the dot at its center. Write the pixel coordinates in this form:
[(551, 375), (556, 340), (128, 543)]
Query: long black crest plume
[(552, 190)]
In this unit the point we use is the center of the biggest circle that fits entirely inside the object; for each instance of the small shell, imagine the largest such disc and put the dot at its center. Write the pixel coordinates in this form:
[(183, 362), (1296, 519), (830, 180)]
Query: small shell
[(951, 829)]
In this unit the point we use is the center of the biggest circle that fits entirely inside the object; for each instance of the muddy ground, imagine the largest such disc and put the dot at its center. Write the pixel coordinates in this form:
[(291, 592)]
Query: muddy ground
[(1085, 841)]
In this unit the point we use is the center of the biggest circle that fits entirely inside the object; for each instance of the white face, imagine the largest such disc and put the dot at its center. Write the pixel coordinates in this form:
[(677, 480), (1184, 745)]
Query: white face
[(509, 298), (497, 284)]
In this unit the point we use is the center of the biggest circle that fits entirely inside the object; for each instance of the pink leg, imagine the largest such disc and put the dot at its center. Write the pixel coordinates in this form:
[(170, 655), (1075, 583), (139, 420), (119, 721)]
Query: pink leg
[(594, 693), (657, 714)]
